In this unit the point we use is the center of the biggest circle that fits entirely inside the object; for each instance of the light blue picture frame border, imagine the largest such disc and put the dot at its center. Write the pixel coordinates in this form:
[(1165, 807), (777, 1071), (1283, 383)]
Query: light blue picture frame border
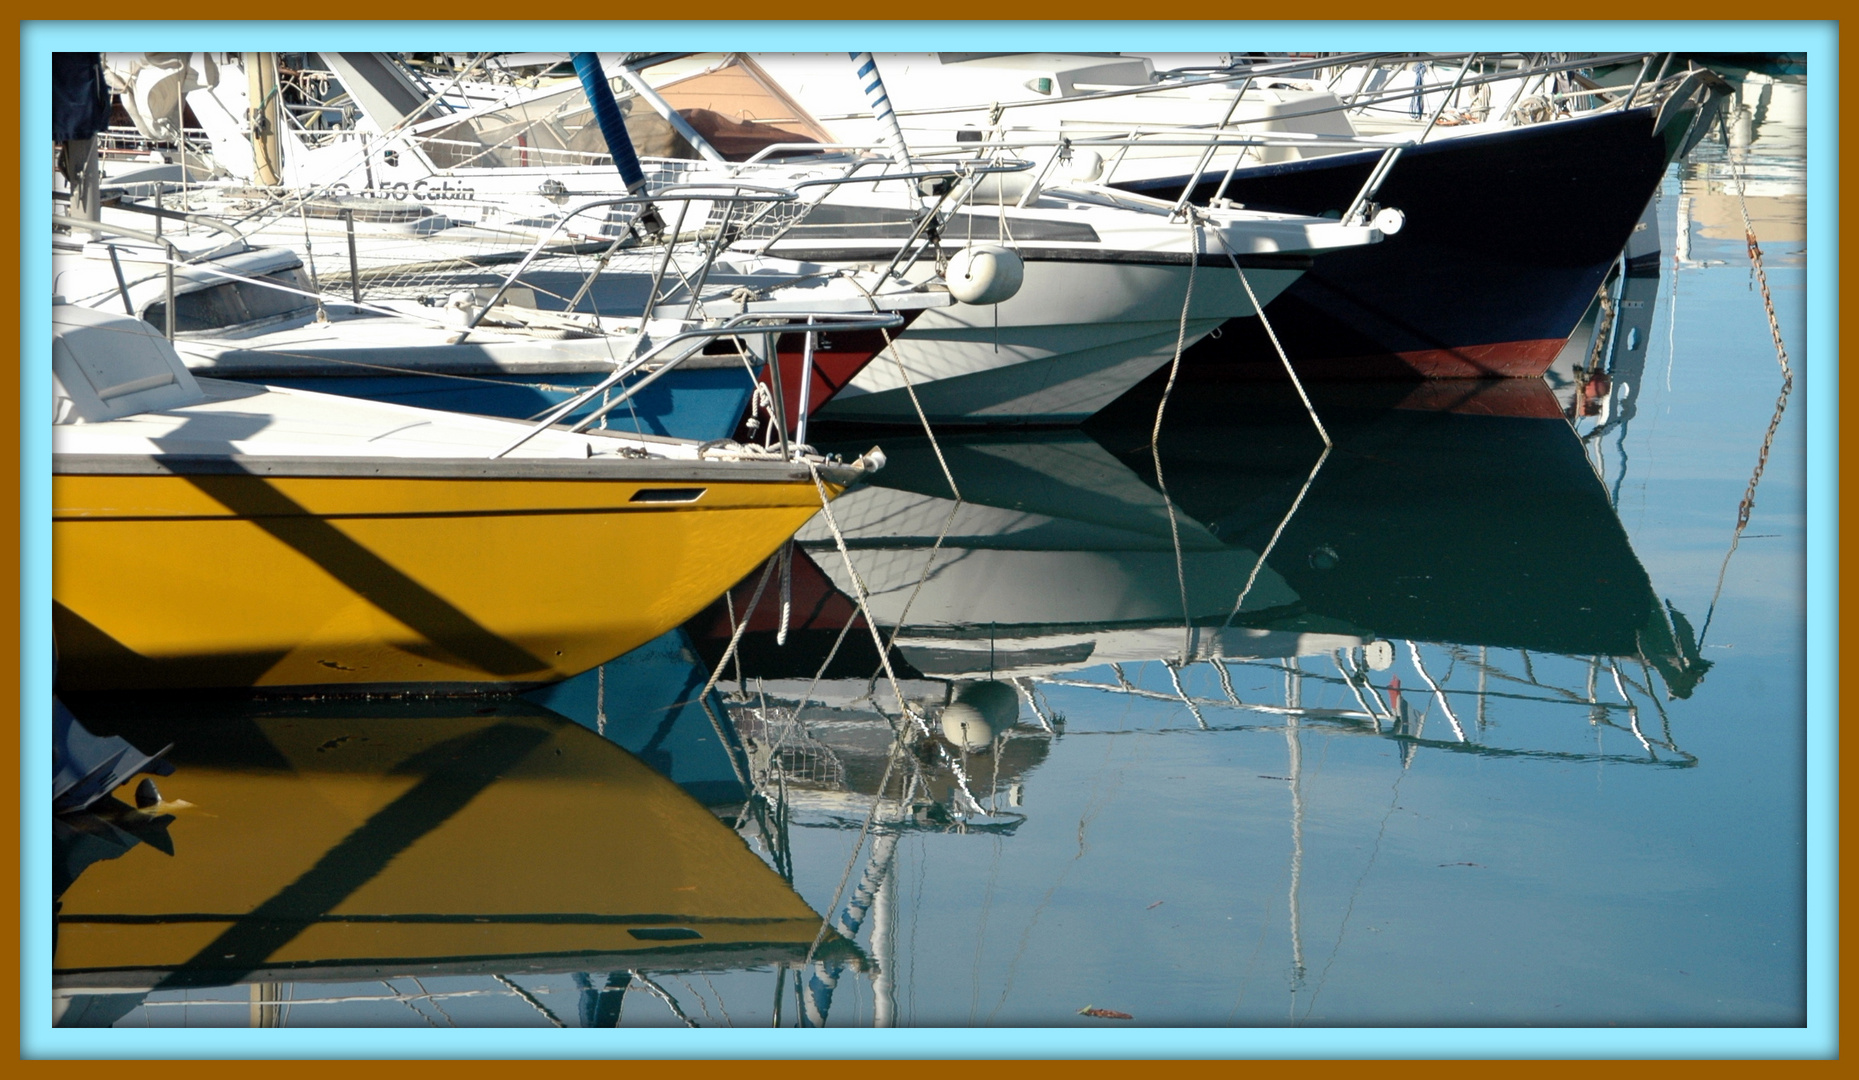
[(1819, 375)]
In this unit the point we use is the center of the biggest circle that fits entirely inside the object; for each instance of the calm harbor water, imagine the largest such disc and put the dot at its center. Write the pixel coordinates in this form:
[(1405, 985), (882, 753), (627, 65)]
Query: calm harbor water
[(1490, 715)]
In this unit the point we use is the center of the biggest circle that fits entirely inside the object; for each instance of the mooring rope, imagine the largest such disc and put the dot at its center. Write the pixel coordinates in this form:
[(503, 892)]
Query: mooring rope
[(1233, 257), (1155, 435), (1253, 577), (703, 696), (890, 346)]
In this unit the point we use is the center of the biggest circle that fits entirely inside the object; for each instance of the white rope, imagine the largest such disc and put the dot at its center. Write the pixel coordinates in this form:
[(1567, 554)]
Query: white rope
[(859, 594), (1633, 712), (1273, 542), (786, 557), (663, 995), (1155, 435), (703, 696), (1174, 673), (531, 999), (1273, 335), (1413, 652), (1350, 675), (1226, 678), (1025, 686), (890, 346)]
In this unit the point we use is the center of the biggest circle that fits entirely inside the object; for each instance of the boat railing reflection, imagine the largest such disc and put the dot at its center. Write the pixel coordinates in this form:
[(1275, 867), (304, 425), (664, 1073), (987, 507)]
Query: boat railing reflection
[(825, 762), (1393, 715), (271, 1003)]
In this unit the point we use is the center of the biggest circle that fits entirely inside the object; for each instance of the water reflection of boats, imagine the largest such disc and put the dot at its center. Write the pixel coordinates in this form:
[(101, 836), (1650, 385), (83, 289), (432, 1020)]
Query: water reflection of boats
[(320, 843), (1476, 521), (1461, 523), (650, 701), (1743, 184), (1479, 531), (1747, 178), (1056, 554), (1432, 524)]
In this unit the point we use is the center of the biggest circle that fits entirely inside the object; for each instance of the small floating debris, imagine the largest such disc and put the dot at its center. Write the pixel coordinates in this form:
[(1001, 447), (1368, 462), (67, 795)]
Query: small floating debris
[(1104, 1014), (1153, 906)]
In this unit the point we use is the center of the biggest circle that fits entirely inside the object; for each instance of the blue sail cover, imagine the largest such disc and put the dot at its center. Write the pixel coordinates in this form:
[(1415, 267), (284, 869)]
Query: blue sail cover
[(612, 125)]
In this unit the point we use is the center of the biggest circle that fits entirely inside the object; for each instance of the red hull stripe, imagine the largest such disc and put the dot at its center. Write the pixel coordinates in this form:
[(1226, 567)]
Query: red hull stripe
[(1504, 360), (837, 360), (1520, 398)]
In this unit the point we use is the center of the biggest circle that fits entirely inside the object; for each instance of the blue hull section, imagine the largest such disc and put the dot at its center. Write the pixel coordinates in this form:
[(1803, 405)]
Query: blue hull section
[(701, 404), (647, 702)]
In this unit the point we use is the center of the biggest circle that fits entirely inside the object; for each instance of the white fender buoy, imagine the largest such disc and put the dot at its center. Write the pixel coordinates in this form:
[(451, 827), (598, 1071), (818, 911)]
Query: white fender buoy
[(979, 710), (1389, 221), (963, 726), (1379, 654), (984, 274), (1086, 166)]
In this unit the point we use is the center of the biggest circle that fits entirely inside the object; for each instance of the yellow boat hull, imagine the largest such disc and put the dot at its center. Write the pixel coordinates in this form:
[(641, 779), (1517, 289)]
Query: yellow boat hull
[(240, 580), (307, 845)]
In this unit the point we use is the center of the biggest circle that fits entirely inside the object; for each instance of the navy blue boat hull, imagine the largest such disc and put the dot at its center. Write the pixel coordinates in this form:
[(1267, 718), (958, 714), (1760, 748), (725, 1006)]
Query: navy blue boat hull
[(1507, 237)]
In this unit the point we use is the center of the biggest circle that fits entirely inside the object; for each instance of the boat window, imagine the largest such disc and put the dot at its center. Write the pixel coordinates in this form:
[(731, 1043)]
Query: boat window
[(235, 303), (203, 309), (551, 131), (263, 303)]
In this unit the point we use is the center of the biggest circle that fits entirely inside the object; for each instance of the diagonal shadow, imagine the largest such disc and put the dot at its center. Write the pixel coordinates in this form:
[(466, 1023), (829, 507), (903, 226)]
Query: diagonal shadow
[(93, 659), (367, 574), (458, 770)]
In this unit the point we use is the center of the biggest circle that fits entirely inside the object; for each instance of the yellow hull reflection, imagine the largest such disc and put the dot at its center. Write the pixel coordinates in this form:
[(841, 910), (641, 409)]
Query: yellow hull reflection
[(318, 846), (166, 581)]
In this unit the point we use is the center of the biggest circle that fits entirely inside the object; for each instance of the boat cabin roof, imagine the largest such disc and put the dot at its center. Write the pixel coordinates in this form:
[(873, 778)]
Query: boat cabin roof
[(209, 295)]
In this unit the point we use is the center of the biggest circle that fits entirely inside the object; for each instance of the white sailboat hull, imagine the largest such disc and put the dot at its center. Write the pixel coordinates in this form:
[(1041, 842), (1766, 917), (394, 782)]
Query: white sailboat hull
[(1077, 336)]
